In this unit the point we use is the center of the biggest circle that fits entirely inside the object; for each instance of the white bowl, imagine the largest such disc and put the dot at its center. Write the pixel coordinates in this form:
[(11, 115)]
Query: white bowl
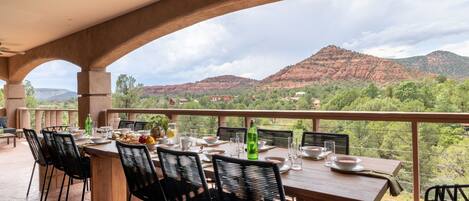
[(312, 151), (261, 143), (279, 161), (209, 153), (210, 139), (346, 162), (97, 139)]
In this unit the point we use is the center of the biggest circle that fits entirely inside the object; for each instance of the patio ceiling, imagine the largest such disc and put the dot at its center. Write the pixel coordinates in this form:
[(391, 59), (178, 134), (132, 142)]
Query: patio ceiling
[(27, 24)]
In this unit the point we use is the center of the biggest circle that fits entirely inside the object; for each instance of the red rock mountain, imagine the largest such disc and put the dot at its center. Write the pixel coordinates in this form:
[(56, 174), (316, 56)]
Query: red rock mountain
[(223, 82), (333, 63)]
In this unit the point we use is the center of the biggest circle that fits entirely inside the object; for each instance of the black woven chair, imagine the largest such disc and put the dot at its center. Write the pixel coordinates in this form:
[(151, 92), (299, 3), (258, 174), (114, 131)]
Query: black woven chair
[(56, 128), (277, 138), (225, 133), (317, 139), (239, 179), (140, 172), (49, 143), (184, 177), (76, 166), (126, 124), (447, 192), (40, 155), (140, 125)]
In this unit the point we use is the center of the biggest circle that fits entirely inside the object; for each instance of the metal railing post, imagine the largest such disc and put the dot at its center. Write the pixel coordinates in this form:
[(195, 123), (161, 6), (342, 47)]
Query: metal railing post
[(415, 161)]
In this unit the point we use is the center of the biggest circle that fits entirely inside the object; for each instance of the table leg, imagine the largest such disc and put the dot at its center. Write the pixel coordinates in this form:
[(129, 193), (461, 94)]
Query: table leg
[(8, 140), (108, 181), (14, 141)]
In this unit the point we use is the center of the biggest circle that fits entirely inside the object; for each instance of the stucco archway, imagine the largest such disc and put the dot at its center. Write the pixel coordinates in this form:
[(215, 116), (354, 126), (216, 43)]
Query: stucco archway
[(98, 46)]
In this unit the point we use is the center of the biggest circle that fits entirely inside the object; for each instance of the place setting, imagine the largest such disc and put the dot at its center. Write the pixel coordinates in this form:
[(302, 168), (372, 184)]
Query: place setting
[(263, 146), (211, 141)]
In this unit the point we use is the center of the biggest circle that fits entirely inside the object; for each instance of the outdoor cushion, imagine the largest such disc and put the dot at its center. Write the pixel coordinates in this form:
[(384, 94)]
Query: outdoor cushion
[(3, 122)]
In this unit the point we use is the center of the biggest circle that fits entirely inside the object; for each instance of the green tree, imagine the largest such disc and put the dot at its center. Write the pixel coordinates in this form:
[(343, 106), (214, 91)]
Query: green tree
[(128, 92), (31, 101)]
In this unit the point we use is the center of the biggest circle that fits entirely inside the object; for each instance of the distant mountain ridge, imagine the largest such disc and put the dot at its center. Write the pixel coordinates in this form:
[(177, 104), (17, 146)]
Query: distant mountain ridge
[(50, 94), (333, 63), (223, 82), (439, 62)]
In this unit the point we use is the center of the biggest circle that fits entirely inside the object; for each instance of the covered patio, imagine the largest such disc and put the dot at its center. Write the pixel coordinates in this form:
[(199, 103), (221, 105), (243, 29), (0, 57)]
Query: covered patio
[(93, 35)]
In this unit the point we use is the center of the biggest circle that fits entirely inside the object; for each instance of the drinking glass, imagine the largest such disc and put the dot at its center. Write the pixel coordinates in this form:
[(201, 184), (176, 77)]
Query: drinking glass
[(240, 143), (186, 143), (329, 149), (233, 147), (290, 148), (296, 157)]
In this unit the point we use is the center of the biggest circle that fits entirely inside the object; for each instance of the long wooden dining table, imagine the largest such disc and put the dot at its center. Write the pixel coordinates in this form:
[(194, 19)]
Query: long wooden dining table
[(314, 182)]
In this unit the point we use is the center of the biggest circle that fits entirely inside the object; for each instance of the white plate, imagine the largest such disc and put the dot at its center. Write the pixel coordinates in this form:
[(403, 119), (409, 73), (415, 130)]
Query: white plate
[(82, 138), (102, 142), (357, 168), (205, 159), (284, 169)]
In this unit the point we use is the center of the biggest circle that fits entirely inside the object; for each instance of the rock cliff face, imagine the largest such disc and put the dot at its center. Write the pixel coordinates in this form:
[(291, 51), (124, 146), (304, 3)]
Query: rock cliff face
[(439, 62), (333, 63), (223, 82)]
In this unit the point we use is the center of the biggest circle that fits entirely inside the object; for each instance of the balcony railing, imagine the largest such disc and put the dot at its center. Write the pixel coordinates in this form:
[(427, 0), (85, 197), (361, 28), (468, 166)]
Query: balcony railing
[(412, 119), (39, 118)]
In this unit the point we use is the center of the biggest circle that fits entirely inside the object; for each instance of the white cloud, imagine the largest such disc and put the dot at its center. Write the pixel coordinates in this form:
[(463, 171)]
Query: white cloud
[(461, 48), (389, 51)]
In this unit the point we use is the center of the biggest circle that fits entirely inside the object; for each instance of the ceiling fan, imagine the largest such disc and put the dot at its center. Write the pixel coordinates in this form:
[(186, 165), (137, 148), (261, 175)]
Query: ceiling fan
[(4, 51)]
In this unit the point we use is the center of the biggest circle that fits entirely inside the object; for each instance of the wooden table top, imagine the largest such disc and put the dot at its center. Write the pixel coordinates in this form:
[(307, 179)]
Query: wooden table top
[(315, 181)]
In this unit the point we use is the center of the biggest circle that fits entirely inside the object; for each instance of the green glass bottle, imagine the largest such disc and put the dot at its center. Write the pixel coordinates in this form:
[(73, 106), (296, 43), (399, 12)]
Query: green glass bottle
[(88, 125), (252, 140)]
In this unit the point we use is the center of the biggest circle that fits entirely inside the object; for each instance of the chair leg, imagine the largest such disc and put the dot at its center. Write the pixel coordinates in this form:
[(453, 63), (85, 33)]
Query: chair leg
[(44, 182), (62, 187), (83, 192), (31, 179), (50, 179), (68, 187)]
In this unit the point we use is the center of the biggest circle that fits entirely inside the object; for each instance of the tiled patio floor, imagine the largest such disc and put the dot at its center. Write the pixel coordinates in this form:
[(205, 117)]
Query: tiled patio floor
[(15, 169)]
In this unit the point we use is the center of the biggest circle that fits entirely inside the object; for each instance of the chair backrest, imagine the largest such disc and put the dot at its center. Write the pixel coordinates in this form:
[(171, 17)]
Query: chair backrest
[(184, 174), (225, 133), (56, 128), (447, 192), (38, 151), (126, 124), (239, 179), (317, 139), (139, 170), (277, 138), (69, 155), (51, 147), (140, 125)]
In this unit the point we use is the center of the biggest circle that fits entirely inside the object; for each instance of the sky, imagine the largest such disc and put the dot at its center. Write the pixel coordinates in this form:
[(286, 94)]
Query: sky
[(259, 41)]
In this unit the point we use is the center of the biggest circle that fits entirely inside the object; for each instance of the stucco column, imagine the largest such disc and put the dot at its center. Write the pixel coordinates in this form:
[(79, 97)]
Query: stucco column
[(94, 95), (14, 98)]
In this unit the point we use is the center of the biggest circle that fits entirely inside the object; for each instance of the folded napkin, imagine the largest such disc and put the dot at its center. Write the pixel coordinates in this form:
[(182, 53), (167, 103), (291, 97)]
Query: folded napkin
[(395, 187)]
